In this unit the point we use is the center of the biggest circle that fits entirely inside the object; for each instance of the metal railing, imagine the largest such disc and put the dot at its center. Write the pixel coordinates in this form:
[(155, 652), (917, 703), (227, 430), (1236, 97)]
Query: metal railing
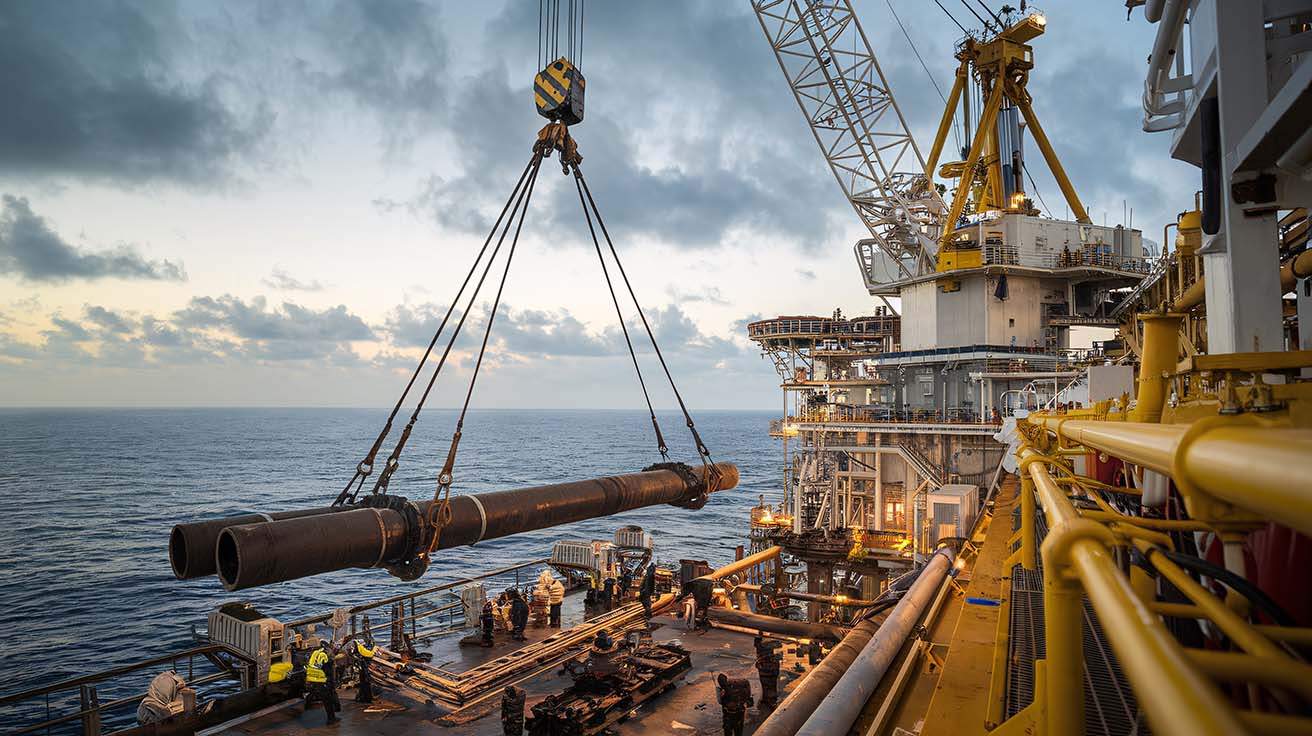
[(875, 326), (1249, 465), (397, 606), (839, 413), (1010, 255), (218, 662)]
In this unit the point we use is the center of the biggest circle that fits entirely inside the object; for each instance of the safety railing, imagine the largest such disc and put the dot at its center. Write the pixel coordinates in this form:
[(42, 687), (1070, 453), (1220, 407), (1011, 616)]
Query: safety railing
[(1232, 473), (839, 413), (88, 703), (1010, 255), (878, 325), (406, 611)]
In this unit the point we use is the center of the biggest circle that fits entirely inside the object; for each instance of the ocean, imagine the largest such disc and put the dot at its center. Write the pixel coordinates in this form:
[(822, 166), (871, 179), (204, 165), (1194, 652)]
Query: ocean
[(85, 582)]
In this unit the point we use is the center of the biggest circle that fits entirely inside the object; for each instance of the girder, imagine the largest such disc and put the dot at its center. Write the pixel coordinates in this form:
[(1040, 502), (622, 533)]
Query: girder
[(845, 97)]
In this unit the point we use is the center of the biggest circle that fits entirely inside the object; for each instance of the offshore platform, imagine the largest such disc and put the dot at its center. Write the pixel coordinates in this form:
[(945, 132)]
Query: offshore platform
[(980, 527)]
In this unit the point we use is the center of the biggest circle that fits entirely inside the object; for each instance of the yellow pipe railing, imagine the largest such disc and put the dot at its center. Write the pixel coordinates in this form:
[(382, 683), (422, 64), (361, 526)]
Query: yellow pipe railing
[(1246, 464), (1176, 697)]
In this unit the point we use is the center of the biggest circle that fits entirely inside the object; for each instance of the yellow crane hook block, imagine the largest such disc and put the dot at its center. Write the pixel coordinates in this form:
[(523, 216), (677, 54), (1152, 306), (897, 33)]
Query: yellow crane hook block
[(558, 92)]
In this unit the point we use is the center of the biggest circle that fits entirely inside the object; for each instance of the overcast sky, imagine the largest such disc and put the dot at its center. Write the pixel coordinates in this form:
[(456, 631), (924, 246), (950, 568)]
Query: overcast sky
[(272, 203)]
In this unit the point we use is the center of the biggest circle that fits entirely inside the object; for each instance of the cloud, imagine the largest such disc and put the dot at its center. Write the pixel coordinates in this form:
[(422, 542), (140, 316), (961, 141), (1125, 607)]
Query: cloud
[(108, 320), (806, 273), (706, 294), (738, 162), (288, 323), (390, 57), (281, 280), (32, 250), (90, 91)]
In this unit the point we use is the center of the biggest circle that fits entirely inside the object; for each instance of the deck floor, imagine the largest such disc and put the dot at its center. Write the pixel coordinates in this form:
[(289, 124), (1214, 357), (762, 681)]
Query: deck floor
[(960, 702), (690, 708)]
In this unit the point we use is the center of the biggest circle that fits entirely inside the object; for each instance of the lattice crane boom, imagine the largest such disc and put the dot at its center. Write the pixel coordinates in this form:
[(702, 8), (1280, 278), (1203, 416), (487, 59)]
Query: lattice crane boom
[(838, 83)]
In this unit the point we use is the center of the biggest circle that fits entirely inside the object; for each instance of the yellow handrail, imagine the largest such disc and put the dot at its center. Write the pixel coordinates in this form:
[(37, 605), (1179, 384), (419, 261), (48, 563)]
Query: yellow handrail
[(1177, 687)]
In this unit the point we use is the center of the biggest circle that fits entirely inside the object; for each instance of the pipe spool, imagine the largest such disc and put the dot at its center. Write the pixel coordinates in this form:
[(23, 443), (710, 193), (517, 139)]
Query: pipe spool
[(819, 685), (390, 532), (775, 625), (847, 698)]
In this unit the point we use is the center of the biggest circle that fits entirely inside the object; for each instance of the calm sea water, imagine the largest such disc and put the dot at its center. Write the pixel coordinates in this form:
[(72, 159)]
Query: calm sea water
[(85, 582)]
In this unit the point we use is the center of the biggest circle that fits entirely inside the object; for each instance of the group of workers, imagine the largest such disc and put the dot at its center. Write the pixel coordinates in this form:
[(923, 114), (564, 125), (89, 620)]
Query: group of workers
[(321, 675), (613, 589), (511, 609), (733, 694)]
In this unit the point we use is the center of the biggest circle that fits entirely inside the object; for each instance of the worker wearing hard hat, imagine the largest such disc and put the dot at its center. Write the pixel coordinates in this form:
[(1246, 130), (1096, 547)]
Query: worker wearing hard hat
[(364, 657), (320, 682)]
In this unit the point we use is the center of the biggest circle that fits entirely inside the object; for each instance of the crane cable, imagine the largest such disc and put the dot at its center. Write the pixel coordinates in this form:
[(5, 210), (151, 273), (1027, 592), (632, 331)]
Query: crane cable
[(440, 510), (956, 136), (365, 467), (619, 315), (711, 474)]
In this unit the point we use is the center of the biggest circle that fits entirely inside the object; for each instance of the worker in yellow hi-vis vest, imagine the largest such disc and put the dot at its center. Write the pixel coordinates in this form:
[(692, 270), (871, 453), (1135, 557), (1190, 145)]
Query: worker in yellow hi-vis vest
[(321, 681), (364, 657)]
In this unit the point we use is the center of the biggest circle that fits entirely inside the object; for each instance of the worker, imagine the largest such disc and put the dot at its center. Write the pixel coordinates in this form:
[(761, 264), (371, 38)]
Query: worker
[(625, 582), (767, 668), (815, 652), (501, 613), (647, 589), (556, 599), (702, 591), (512, 711), (590, 598), (320, 681), (487, 620), (735, 697), (608, 592), (518, 615), (364, 657)]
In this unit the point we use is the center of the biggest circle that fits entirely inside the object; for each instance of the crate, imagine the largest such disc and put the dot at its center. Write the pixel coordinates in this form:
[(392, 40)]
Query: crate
[(242, 627), (633, 537)]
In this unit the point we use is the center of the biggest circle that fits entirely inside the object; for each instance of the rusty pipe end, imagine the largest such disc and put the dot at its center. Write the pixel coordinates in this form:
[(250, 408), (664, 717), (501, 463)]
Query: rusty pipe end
[(227, 560), (178, 558)]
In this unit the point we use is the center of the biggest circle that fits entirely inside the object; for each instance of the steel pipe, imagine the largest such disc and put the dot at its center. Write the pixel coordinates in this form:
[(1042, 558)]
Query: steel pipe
[(191, 546), (798, 595), (807, 695), (1252, 466), (848, 697), (1160, 347), (746, 563), (775, 625), (248, 555)]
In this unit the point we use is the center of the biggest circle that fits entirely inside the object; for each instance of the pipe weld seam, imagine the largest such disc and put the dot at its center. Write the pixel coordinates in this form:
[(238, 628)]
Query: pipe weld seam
[(382, 537), (482, 518)]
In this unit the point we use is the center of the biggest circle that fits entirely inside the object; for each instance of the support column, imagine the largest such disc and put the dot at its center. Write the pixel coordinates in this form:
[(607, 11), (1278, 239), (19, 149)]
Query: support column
[(1241, 260), (820, 580), (879, 483)]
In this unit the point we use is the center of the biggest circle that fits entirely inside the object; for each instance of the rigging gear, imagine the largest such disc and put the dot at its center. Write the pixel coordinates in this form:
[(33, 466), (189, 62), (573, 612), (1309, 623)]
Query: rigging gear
[(558, 96)]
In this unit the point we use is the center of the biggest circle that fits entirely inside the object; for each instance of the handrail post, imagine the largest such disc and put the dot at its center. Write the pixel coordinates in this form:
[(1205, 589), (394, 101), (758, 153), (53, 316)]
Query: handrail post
[(1063, 623), (1027, 553)]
